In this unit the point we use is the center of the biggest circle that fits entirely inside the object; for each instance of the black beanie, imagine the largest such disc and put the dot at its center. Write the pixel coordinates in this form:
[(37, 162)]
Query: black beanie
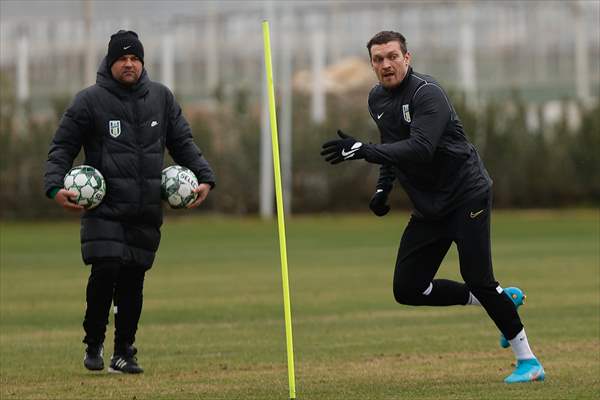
[(121, 43)]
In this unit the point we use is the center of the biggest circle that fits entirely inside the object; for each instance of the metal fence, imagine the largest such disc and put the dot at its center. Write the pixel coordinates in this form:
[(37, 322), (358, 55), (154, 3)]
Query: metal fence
[(210, 52), (544, 49)]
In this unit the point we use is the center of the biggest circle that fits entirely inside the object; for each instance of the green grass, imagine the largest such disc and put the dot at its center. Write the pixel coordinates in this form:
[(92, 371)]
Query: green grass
[(212, 326)]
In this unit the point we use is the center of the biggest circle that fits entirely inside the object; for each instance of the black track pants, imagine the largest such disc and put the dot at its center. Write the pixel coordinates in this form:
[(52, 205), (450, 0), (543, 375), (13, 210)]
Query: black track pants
[(110, 281), (422, 249)]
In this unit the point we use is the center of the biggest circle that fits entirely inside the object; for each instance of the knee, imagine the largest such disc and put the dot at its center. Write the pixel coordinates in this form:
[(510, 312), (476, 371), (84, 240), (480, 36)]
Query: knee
[(130, 283), (406, 294)]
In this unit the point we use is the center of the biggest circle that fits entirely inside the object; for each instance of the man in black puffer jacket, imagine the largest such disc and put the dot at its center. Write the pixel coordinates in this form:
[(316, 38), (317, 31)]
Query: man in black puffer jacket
[(123, 122)]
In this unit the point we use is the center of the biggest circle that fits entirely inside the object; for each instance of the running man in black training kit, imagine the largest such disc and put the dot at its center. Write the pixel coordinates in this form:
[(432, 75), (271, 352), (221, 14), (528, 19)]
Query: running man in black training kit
[(424, 147), (124, 123)]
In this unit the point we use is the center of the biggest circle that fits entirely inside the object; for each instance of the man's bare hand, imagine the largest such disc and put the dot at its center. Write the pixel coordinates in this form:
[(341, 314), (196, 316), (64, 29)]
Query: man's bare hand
[(67, 200), (202, 191)]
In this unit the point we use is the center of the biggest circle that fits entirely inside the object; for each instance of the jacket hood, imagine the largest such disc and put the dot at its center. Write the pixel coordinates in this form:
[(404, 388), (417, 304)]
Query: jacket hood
[(104, 79)]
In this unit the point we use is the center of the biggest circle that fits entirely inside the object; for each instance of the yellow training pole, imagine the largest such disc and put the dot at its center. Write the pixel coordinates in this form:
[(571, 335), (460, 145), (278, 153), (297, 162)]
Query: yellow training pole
[(280, 213)]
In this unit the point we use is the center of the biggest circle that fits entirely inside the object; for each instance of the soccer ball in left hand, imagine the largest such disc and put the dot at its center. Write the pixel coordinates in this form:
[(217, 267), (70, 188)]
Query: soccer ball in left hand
[(88, 183), (177, 185)]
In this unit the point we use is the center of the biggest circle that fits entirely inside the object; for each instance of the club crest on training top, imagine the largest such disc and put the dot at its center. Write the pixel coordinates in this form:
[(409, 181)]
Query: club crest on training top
[(406, 113)]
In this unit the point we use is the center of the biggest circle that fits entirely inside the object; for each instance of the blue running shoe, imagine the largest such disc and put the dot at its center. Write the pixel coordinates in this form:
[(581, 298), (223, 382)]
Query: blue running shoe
[(518, 298), (527, 371)]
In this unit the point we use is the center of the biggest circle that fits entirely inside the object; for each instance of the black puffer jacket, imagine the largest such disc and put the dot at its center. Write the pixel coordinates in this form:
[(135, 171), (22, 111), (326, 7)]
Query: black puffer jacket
[(124, 132)]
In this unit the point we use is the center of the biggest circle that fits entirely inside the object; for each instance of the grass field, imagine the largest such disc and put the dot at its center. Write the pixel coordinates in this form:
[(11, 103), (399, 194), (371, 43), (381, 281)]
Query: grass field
[(212, 326)]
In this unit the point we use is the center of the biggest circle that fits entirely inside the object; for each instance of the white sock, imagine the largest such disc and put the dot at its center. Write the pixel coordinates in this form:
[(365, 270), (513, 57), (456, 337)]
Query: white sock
[(520, 346), (472, 300)]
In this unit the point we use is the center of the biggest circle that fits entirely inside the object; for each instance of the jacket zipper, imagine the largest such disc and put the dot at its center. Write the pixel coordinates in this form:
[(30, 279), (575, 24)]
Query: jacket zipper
[(140, 178)]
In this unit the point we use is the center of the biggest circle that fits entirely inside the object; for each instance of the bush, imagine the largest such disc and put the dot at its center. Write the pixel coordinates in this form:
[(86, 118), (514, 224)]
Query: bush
[(547, 167)]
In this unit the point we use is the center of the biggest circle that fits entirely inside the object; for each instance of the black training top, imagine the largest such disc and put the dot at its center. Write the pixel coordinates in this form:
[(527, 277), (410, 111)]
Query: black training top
[(423, 144)]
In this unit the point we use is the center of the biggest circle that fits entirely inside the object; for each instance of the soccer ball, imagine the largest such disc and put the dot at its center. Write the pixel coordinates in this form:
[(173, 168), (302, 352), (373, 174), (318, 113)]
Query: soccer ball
[(88, 183), (177, 185)]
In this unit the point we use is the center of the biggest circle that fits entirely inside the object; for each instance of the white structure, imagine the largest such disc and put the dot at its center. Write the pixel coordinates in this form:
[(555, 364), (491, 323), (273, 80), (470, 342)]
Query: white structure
[(543, 49), (478, 46)]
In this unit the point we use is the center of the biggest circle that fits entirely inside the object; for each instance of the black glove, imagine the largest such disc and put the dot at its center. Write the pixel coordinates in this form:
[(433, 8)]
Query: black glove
[(378, 203), (346, 148)]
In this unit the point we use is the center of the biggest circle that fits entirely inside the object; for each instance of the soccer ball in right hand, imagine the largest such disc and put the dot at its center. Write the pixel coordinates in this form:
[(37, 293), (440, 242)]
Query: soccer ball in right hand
[(88, 183), (177, 185)]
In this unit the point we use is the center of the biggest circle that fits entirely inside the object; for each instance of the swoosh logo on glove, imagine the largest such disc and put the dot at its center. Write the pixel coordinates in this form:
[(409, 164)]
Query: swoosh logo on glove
[(476, 214), (350, 153)]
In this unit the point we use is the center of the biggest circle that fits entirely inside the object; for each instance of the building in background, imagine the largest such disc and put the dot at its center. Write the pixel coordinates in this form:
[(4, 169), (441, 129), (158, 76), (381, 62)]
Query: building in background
[(205, 49), (210, 53)]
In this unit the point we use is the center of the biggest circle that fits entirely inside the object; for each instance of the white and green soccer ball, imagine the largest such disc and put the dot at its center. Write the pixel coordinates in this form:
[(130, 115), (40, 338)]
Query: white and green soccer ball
[(177, 185), (88, 183)]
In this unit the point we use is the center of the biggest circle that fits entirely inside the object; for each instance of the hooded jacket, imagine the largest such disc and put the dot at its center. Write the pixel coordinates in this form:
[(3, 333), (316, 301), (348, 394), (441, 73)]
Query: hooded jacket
[(124, 132)]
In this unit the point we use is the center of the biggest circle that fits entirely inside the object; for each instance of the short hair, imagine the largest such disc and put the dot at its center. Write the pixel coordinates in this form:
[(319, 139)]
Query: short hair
[(385, 37)]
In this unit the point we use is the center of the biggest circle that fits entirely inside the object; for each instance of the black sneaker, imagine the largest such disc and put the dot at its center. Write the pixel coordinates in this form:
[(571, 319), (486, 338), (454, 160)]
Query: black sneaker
[(93, 357), (125, 363)]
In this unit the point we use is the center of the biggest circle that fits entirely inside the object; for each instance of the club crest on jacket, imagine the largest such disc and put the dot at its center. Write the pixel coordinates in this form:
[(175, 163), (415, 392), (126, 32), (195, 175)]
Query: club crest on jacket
[(114, 128)]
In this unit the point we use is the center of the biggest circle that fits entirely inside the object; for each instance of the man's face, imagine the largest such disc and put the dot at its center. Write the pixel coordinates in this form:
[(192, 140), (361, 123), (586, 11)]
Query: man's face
[(389, 64), (127, 69)]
